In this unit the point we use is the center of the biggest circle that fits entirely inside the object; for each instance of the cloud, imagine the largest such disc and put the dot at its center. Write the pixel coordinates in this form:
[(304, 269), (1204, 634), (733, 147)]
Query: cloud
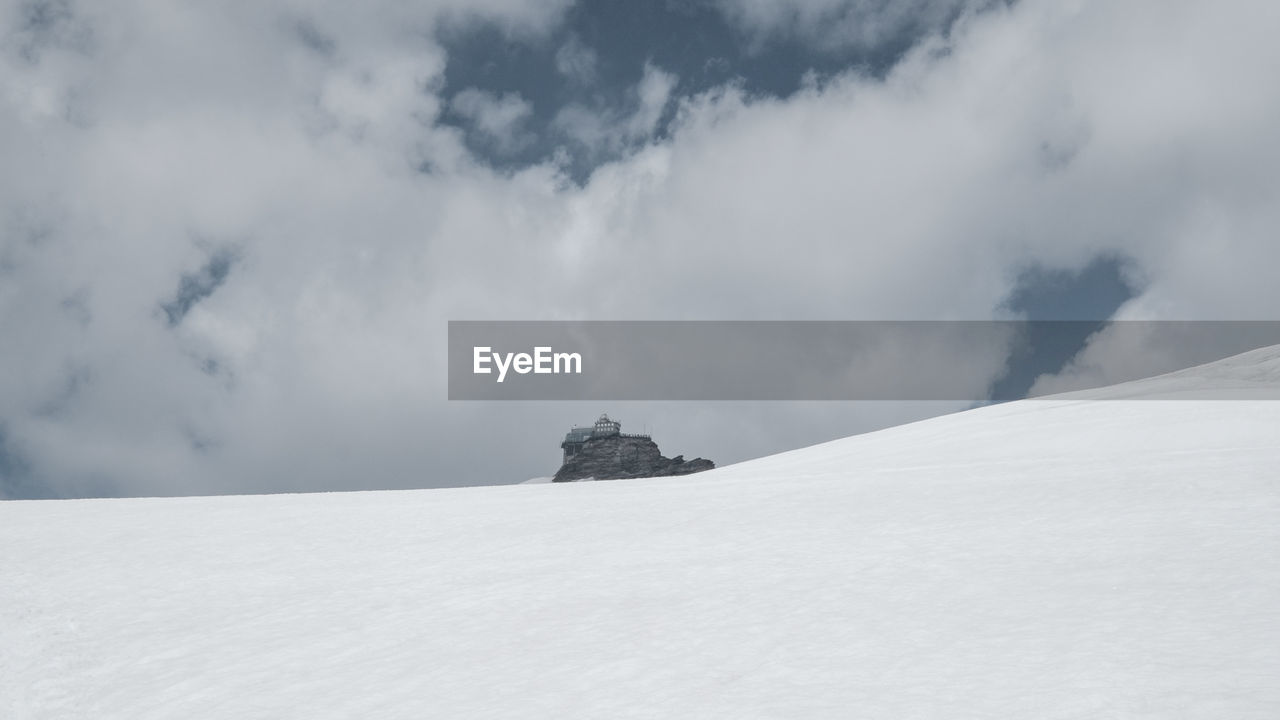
[(1039, 135), (607, 132), (194, 287), (837, 24), (576, 61), (499, 119)]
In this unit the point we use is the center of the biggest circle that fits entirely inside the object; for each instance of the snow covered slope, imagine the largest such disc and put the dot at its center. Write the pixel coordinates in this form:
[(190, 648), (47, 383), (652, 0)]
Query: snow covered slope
[(1066, 558)]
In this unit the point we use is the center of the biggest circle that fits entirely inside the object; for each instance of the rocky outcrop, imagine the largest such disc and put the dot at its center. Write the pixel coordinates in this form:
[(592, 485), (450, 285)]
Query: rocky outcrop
[(625, 456)]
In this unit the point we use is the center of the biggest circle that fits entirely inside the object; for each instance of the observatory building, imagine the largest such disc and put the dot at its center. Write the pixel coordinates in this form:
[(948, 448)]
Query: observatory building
[(603, 452), (577, 437)]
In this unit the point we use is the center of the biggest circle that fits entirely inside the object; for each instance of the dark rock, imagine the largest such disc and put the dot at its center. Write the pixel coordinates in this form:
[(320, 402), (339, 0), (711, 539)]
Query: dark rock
[(617, 456)]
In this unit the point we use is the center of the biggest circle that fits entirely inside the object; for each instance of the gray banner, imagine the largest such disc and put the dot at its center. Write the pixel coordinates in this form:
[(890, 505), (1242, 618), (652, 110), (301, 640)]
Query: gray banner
[(824, 360)]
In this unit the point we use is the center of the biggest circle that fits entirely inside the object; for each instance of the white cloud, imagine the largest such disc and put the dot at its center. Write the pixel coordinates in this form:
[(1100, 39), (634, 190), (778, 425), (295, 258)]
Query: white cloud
[(577, 61), (499, 118), (834, 24), (609, 132)]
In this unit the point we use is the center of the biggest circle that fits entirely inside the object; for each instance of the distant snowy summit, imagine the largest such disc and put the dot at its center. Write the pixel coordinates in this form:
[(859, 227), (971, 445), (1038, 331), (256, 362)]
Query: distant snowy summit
[(1251, 375), (603, 452)]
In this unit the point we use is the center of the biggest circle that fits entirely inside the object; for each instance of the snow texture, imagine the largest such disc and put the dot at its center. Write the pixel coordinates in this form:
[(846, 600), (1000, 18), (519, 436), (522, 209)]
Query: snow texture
[(1061, 558)]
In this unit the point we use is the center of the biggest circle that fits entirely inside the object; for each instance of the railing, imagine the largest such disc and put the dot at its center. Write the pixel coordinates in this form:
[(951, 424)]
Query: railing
[(643, 436)]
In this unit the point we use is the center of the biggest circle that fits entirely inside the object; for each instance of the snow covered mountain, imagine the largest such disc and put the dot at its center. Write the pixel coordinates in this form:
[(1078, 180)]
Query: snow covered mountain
[(1064, 558)]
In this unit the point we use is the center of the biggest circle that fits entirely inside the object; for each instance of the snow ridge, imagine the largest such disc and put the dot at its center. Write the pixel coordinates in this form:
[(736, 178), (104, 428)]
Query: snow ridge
[(1055, 558)]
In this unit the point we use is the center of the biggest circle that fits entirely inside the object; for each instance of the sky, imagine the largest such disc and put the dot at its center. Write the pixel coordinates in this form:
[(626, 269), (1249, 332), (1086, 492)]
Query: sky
[(232, 234)]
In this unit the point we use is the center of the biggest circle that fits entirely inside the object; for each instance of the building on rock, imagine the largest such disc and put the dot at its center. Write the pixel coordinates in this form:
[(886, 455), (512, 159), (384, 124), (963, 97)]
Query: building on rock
[(603, 452)]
